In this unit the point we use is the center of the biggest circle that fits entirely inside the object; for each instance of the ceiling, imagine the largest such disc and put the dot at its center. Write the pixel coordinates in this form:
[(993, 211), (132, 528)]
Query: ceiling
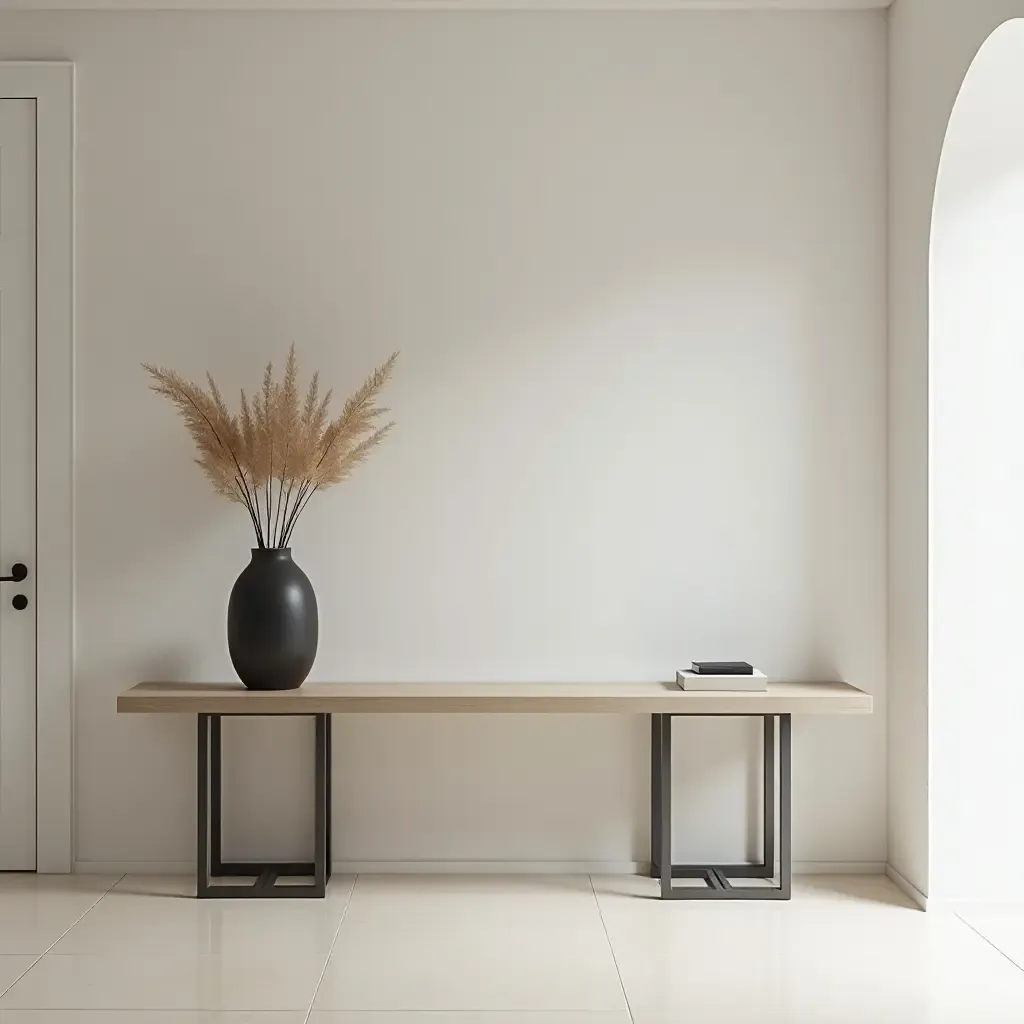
[(372, 5)]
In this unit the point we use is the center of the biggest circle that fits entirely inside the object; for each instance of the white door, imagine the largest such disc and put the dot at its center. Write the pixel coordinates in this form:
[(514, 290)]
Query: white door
[(17, 484)]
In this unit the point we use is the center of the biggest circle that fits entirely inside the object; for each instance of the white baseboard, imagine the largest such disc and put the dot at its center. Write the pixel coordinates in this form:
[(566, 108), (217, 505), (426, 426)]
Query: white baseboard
[(838, 867), (473, 867), (134, 867), (529, 867), (906, 887), (490, 867), (390, 867)]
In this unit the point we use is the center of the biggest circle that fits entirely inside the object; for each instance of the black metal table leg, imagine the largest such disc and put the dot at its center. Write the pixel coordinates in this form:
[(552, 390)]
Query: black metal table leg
[(203, 806), (320, 823), (330, 797), (209, 862), (216, 789), (665, 803), (768, 802), (655, 796), (785, 806), (717, 878)]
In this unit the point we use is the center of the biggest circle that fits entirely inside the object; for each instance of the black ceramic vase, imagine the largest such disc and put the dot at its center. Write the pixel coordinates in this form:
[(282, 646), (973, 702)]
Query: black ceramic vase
[(272, 622)]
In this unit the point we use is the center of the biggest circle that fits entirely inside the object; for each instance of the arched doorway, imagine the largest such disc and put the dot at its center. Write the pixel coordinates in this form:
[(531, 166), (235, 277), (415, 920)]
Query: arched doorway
[(976, 491)]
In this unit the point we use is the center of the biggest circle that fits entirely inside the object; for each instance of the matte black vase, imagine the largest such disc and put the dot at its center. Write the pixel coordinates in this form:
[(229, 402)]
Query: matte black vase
[(272, 622)]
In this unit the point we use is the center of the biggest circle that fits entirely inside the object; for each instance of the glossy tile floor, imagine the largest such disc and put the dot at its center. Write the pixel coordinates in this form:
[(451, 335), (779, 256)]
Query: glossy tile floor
[(498, 950)]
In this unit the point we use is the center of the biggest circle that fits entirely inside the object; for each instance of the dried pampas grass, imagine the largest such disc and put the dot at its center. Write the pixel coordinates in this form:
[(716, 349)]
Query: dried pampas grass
[(277, 451)]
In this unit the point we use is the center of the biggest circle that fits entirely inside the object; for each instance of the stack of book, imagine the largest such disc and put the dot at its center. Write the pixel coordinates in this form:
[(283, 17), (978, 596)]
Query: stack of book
[(721, 675)]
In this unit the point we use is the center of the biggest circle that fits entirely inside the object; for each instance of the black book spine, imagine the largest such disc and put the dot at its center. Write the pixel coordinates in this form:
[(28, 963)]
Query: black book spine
[(722, 668)]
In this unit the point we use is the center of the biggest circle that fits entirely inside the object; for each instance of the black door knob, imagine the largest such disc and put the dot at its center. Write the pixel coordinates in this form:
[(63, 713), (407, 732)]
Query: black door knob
[(20, 602), (18, 572)]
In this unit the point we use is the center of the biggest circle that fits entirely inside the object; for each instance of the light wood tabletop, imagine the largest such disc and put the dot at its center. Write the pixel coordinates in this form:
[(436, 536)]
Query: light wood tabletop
[(781, 698)]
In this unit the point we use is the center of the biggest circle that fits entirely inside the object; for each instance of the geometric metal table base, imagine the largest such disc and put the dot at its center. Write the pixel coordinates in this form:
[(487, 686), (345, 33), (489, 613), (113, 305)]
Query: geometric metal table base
[(209, 864), (718, 878)]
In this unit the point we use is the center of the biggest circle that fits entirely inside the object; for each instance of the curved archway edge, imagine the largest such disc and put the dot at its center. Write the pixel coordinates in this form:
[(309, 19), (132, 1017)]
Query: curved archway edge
[(933, 44)]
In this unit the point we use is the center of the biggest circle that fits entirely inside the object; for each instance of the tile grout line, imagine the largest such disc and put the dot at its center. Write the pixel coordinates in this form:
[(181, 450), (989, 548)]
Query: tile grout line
[(330, 952), (92, 906), (116, 884), (611, 948), (985, 938)]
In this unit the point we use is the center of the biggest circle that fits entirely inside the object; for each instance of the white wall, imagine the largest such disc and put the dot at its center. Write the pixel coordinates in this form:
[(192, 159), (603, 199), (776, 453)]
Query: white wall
[(635, 265), (931, 46), (977, 484)]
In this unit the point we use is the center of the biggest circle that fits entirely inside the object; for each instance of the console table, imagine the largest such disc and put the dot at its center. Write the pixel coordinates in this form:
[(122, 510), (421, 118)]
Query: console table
[(210, 702)]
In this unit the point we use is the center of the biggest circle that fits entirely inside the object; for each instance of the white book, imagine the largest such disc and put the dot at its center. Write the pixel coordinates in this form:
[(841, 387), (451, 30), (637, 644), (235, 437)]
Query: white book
[(757, 682)]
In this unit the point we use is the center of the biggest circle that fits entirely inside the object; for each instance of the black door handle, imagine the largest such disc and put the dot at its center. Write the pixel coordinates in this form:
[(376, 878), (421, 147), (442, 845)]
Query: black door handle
[(18, 572)]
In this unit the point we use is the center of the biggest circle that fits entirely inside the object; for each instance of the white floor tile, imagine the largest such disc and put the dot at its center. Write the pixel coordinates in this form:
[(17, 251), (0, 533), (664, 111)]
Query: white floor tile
[(501, 950), (34, 928), (544, 892), (148, 1017), (1004, 928), (15, 881), (183, 888), (36, 910), (159, 914), (480, 943), (12, 968), (843, 951), (151, 980)]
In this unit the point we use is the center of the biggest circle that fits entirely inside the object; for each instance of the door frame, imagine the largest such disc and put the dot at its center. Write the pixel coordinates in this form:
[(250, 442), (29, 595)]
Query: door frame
[(52, 85)]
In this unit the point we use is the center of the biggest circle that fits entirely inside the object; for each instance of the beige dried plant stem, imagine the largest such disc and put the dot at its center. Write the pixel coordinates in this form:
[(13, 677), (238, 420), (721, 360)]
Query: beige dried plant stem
[(277, 452)]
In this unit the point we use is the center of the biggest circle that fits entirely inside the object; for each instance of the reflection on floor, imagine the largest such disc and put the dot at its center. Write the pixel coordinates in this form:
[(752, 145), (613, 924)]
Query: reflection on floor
[(498, 950)]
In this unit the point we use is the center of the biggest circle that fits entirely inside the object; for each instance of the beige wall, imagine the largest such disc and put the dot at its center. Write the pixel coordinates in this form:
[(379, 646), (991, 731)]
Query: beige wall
[(636, 269), (931, 46)]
